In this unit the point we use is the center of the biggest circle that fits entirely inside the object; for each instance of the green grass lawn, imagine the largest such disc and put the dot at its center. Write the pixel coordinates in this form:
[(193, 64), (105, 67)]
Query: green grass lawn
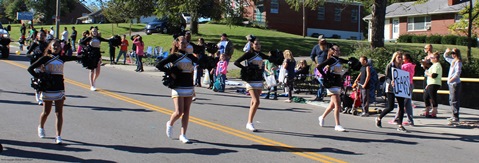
[(270, 39)]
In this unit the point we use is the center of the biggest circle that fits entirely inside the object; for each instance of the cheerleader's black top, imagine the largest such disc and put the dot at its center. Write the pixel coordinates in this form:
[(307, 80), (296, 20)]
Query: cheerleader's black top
[(250, 56), (182, 67), (54, 67), (94, 43), (37, 48)]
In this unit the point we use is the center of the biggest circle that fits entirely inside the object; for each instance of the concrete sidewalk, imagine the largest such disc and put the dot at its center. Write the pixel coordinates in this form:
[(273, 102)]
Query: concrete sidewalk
[(469, 117)]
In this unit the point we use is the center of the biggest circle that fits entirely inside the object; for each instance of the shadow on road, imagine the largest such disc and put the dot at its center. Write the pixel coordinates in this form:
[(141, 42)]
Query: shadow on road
[(338, 138), (133, 149), (98, 108), (14, 57), (437, 136), (273, 148), (18, 102)]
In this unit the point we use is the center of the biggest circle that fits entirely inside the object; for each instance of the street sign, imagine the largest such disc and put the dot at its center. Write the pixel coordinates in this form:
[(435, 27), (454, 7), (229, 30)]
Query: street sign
[(24, 16)]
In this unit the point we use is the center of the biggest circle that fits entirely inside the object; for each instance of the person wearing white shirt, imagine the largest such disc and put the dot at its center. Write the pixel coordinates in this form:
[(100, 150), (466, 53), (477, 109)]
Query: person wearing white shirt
[(52, 32), (65, 34)]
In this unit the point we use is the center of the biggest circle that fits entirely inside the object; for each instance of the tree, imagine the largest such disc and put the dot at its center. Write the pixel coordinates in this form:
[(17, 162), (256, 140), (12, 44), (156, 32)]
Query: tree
[(196, 8), (12, 7), (467, 24), (116, 12), (47, 8)]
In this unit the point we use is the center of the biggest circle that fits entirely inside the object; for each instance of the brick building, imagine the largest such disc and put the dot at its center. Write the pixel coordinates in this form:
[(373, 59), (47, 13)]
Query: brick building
[(333, 19), (431, 17)]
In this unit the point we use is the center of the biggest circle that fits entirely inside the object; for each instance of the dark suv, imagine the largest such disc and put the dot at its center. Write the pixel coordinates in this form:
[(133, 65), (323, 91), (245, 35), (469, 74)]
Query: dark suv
[(162, 25), (4, 41)]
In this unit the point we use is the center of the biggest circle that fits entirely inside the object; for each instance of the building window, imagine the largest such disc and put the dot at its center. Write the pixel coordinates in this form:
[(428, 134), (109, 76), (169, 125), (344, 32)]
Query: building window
[(321, 13), (354, 15), (274, 6), (337, 14), (458, 18), (418, 23)]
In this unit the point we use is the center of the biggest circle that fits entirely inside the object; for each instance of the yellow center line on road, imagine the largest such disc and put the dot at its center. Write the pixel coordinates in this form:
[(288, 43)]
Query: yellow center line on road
[(245, 135)]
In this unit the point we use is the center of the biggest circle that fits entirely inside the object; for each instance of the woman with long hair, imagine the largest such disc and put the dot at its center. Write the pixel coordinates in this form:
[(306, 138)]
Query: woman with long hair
[(52, 63), (254, 58), (410, 67), (335, 73), (140, 45), (454, 81), (289, 64), (182, 92), (396, 62), (94, 64), (37, 49)]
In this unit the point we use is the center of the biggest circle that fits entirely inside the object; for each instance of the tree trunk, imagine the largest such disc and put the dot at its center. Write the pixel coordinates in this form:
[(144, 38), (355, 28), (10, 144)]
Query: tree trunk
[(469, 33), (378, 18), (194, 23)]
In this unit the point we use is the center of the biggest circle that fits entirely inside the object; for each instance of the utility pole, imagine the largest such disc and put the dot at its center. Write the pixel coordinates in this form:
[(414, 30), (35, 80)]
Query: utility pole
[(57, 19), (304, 21)]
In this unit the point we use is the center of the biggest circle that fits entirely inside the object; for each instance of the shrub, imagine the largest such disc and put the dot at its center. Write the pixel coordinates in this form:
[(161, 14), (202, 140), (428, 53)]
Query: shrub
[(418, 39), (405, 38), (462, 40), (470, 69), (449, 39), (433, 39), (381, 56)]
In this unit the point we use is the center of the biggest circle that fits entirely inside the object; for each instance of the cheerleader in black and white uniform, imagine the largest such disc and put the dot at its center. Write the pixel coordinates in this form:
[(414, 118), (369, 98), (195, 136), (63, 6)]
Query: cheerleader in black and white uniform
[(36, 50), (181, 71), (254, 85), (52, 63), (93, 63)]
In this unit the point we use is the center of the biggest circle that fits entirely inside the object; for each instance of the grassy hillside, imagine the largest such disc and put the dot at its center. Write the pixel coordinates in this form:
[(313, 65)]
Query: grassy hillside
[(270, 39)]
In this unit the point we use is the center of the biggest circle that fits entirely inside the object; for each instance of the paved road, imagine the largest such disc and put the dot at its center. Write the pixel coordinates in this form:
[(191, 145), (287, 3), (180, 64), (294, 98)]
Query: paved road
[(124, 122)]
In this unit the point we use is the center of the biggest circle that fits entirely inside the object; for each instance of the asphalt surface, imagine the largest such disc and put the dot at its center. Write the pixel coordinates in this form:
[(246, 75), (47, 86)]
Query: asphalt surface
[(124, 121)]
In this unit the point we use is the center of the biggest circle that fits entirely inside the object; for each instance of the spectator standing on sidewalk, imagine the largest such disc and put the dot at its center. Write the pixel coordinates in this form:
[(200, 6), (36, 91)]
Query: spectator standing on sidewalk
[(138, 41), (289, 64), (270, 69), (73, 37), (200, 51), (65, 34), (123, 49), (225, 46), (434, 74), (23, 30), (396, 62), (362, 81), (454, 81), (318, 56)]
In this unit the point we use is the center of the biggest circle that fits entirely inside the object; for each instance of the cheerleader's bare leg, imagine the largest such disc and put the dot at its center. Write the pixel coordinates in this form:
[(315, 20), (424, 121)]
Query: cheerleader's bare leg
[(255, 94), (59, 114)]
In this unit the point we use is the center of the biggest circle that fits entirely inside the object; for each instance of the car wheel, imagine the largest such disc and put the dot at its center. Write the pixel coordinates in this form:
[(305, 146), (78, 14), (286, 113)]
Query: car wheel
[(5, 52)]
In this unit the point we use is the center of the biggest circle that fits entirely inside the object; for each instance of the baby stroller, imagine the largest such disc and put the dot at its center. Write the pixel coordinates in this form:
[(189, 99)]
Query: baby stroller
[(351, 99)]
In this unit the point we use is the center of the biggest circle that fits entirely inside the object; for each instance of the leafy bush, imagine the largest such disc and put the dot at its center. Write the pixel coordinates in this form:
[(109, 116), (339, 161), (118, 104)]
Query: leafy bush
[(433, 39), (470, 69), (405, 38), (418, 39), (449, 39), (462, 40), (381, 56)]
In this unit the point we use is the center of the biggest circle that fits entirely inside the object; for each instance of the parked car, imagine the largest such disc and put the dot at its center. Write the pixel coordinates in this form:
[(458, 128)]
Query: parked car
[(204, 19), (4, 41), (163, 25)]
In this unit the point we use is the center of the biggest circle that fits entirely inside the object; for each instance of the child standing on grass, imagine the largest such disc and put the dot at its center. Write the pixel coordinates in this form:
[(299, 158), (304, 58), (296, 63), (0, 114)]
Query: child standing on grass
[(363, 82), (221, 70)]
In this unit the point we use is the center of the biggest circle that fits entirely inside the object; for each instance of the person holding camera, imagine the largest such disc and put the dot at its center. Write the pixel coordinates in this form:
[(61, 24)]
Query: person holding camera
[(454, 81), (140, 46), (182, 89), (333, 83), (52, 62), (252, 75)]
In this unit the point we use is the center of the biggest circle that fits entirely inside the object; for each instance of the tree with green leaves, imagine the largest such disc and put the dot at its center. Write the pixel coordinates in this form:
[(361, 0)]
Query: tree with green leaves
[(467, 24), (12, 7), (196, 8), (47, 8)]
